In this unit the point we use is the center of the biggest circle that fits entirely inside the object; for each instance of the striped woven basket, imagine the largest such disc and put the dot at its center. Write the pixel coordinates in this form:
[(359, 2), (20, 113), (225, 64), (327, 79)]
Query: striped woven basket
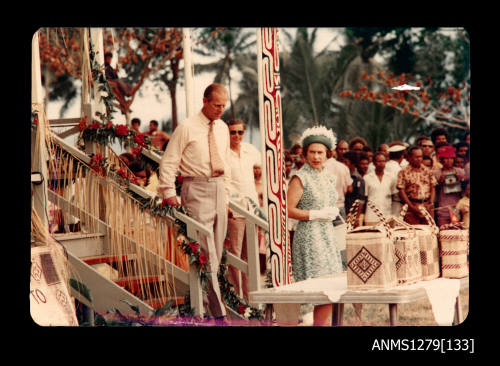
[(407, 251), (429, 246), (370, 256), (454, 248)]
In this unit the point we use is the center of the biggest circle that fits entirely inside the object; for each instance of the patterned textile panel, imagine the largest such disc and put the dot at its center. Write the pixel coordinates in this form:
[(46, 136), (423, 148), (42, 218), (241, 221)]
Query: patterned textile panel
[(407, 251), (429, 252), (454, 253), (370, 259)]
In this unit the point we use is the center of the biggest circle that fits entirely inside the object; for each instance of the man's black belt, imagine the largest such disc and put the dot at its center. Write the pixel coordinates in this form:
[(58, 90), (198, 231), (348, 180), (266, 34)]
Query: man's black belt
[(419, 201)]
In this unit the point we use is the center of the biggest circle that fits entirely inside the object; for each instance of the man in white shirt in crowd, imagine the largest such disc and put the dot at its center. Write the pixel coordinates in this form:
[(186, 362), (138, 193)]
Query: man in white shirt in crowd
[(379, 187), (199, 149), (343, 186), (243, 156), (393, 166)]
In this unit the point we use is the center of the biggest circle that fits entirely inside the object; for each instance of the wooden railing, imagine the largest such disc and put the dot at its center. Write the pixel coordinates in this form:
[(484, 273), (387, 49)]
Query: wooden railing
[(194, 231)]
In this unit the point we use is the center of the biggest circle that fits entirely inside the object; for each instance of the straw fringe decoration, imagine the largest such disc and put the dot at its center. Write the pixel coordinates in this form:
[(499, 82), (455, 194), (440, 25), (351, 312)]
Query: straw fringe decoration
[(111, 204)]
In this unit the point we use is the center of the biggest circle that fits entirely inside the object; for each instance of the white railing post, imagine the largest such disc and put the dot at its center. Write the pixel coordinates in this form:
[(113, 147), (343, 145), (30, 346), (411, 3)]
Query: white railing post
[(39, 155)]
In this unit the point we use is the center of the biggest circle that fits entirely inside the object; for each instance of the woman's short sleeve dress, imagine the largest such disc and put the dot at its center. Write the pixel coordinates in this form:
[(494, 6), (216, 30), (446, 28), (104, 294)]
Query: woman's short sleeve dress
[(315, 250)]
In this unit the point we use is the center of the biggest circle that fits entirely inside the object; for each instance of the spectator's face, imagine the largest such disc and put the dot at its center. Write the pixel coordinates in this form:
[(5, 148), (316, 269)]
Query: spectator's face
[(141, 177), (385, 149), (459, 162), (236, 133), (427, 163), (153, 127), (342, 147), (427, 147), (416, 158), (257, 172), (441, 139), (135, 126), (363, 166), (462, 151), (379, 162), (288, 166), (447, 162), (214, 106), (358, 147)]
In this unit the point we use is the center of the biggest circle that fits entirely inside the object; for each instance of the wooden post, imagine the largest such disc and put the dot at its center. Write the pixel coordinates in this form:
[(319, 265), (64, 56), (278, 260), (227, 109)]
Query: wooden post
[(98, 47), (39, 153), (253, 256), (188, 71), (393, 314), (273, 157)]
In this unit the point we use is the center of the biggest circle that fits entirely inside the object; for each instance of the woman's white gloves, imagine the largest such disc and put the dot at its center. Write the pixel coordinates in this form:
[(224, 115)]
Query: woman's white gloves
[(325, 214)]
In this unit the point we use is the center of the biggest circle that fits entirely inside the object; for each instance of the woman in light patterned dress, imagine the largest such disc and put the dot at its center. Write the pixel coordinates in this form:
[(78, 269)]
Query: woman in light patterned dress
[(311, 200)]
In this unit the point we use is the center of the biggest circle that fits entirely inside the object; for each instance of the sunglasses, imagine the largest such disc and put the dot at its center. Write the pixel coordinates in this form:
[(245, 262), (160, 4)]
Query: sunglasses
[(239, 132)]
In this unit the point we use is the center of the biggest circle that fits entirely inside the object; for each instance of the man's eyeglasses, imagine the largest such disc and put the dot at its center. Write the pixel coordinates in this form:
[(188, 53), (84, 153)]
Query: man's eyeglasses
[(239, 132)]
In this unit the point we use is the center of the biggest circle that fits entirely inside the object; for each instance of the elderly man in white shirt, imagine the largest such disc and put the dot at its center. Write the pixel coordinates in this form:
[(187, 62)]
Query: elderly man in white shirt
[(379, 187), (199, 149), (243, 156)]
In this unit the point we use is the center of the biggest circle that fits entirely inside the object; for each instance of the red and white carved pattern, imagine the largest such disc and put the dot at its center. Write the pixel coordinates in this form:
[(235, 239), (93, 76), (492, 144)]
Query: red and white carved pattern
[(275, 173)]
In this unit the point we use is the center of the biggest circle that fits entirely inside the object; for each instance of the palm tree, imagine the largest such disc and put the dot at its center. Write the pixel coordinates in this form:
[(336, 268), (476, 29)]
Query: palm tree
[(229, 45), (306, 79)]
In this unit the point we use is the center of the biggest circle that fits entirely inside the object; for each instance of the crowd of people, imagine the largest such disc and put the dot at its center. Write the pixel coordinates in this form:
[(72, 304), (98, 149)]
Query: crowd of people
[(433, 173), (327, 179)]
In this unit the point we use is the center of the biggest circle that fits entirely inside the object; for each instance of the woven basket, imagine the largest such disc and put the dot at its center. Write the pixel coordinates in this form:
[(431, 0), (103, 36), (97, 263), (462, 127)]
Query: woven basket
[(429, 245), (407, 251), (370, 257), (454, 248)]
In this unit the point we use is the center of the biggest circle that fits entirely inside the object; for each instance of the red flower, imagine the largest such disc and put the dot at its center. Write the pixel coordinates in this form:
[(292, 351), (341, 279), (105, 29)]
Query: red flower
[(94, 126), (35, 120), (122, 130), (83, 124), (241, 309), (139, 139), (203, 259), (137, 150), (96, 160), (194, 247), (109, 125), (121, 173), (164, 202), (227, 243), (180, 179)]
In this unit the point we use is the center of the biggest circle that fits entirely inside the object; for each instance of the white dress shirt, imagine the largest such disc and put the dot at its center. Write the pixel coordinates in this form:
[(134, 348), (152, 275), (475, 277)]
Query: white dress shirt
[(187, 152), (242, 183), (343, 175), (393, 167), (379, 192)]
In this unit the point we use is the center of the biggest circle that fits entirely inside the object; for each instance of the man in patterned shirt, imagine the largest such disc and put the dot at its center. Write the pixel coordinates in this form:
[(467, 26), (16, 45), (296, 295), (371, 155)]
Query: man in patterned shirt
[(417, 187)]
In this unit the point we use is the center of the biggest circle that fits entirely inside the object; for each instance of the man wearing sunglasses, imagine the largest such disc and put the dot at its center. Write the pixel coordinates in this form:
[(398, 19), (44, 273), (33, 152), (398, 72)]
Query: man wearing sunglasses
[(243, 156), (428, 150)]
